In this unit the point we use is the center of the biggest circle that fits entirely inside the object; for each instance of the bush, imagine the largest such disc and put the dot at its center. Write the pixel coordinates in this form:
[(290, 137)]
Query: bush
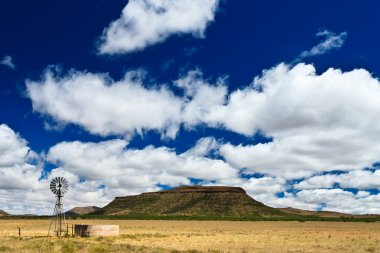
[(4, 248)]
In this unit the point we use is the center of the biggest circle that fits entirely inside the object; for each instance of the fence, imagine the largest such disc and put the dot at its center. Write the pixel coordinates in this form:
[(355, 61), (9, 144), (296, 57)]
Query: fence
[(25, 231)]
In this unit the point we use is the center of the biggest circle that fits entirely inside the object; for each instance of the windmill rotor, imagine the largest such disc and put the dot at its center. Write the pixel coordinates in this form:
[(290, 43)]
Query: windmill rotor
[(59, 186)]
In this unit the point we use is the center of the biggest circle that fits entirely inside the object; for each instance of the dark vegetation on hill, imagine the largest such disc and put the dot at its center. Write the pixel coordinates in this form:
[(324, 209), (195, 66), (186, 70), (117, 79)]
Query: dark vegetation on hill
[(2, 213), (199, 201)]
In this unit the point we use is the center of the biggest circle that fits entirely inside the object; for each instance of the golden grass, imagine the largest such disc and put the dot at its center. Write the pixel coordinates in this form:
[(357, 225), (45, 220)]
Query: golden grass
[(199, 236)]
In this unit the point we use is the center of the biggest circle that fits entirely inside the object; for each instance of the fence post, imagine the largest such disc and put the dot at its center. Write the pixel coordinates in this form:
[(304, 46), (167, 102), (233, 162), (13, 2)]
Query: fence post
[(19, 233)]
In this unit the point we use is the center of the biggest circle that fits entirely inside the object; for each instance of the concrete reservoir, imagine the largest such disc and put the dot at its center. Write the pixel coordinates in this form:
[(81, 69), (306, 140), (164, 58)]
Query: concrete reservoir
[(96, 230)]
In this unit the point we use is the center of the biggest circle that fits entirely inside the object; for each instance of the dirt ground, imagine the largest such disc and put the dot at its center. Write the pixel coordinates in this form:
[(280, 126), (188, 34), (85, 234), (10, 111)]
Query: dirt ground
[(198, 236)]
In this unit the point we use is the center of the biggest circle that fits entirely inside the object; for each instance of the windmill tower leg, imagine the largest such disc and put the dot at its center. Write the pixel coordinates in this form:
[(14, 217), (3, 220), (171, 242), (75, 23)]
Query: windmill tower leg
[(54, 219), (58, 218)]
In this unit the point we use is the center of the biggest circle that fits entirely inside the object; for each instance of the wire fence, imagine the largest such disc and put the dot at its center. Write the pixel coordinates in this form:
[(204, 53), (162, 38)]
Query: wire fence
[(22, 231)]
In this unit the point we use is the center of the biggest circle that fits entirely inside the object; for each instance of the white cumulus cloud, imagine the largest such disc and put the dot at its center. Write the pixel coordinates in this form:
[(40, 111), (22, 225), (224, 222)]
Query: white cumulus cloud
[(24, 186), (201, 98), (8, 61), (18, 169), (332, 41), (359, 179), (97, 172), (125, 107), (37, 198), (119, 167), (147, 22), (317, 122), (340, 200), (105, 107)]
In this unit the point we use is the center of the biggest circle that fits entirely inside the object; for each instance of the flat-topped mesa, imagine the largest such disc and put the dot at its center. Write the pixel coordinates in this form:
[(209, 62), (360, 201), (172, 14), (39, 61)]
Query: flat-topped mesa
[(194, 201), (202, 189), (196, 189)]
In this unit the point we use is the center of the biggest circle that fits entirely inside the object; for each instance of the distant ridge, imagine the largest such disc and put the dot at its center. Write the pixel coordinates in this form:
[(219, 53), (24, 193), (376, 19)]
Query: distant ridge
[(326, 214), (2, 213), (196, 201), (76, 211)]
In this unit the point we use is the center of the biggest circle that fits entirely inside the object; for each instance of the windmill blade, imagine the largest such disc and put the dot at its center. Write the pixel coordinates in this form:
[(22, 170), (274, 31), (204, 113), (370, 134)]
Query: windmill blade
[(65, 186), (53, 186)]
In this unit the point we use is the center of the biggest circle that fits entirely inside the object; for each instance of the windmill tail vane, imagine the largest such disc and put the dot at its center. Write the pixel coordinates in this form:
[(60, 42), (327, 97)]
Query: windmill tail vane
[(59, 186)]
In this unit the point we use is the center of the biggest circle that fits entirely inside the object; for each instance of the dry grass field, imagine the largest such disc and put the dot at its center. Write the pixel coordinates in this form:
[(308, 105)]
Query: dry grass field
[(198, 236)]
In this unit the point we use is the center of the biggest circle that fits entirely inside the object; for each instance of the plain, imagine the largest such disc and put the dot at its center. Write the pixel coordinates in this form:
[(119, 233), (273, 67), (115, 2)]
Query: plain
[(197, 236)]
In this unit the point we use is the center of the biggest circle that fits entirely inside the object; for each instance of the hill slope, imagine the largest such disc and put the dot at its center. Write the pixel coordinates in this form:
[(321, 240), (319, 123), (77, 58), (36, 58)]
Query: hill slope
[(2, 213), (206, 201), (82, 210), (326, 214)]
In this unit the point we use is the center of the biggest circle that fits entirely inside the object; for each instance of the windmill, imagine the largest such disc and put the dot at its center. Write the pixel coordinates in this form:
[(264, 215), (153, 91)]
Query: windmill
[(59, 186)]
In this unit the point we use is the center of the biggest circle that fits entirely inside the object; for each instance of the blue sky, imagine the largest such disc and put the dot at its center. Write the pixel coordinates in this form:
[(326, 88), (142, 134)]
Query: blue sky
[(124, 97)]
